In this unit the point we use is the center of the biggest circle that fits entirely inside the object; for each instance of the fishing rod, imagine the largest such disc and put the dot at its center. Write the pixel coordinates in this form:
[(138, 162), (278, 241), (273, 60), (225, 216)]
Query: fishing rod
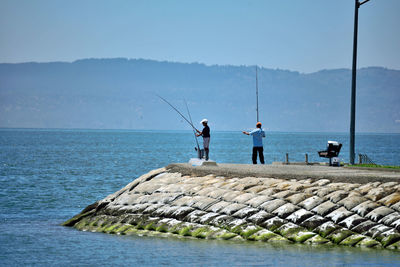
[(194, 132), (258, 119), (257, 92), (191, 124)]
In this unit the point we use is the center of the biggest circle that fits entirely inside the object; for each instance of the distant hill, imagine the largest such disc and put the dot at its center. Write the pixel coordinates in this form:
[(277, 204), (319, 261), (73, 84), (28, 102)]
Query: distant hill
[(121, 94)]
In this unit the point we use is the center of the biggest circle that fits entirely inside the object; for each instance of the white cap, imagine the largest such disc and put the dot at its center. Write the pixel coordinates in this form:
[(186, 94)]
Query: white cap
[(204, 120)]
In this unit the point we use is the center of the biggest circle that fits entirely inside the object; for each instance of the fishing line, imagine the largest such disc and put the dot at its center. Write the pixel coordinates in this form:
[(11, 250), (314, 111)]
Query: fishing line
[(194, 132), (191, 124)]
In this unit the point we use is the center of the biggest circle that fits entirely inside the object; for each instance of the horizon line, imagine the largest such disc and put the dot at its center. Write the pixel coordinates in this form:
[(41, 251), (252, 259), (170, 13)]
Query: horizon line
[(165, 130), (188, 63)]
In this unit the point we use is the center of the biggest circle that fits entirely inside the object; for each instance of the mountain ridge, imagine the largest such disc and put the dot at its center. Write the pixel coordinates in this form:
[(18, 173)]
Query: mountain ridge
[(119, 93)]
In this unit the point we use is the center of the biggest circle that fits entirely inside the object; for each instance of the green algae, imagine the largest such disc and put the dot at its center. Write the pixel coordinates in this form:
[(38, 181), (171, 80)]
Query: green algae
[(131, 230), (102, 222), (94, 223), (390, 239), (121, 230), (245, 230), (339, 235), (248, 233), (185, 231), (150, 227), (289, 231), (274, 224), (175, 229), (162, 228), (226, 236), (395, 245), (237, 229), (104, 226), (82, 224), (110, 229), (302, 236), (279, 239), (326, 229), (352, 240), (316, 240), (140, 226), (263, 235), (213, 234), (237, 238), (201, 232), (368, 243), (284, 234)]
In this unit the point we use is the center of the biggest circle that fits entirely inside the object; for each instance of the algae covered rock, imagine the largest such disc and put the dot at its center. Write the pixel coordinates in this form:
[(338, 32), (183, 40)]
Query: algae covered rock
[(168, 203)]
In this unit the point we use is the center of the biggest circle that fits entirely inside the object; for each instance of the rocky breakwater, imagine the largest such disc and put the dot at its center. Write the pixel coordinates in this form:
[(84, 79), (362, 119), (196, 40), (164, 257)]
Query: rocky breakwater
[(294, 204)]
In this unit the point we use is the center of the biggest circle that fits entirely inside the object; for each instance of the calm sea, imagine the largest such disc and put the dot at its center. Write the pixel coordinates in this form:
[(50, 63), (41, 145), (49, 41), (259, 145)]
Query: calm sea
[(47, 176)]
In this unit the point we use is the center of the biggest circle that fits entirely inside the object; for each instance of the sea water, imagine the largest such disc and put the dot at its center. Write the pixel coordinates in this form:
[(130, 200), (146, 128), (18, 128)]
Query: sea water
[(48, 176)]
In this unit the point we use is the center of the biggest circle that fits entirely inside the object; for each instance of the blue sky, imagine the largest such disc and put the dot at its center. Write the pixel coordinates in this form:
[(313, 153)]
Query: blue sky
[(300, 35)]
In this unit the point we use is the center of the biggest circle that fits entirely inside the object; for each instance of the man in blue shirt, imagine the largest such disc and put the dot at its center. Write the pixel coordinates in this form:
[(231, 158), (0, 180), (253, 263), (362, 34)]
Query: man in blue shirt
[(258, 135)]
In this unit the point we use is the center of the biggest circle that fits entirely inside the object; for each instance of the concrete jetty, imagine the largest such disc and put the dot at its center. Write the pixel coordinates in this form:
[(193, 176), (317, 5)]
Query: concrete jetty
[(269, 203)]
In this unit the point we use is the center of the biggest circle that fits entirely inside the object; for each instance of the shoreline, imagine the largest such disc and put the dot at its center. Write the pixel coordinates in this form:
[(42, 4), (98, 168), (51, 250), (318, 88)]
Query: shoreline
[(315, 205)]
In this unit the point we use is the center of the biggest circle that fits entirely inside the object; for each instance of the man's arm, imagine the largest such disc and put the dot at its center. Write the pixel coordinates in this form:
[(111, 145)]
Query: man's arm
[(246, 133)]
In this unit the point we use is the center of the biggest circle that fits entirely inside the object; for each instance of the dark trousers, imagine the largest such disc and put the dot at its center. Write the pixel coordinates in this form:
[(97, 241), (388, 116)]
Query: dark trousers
[(260, 153)]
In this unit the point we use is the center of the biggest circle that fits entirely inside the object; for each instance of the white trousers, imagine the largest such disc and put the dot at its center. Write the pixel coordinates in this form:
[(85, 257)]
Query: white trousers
[(206, 142)]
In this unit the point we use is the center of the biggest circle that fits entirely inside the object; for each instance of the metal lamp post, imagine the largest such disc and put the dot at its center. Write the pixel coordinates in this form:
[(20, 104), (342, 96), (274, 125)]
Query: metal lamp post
[(353, 81)]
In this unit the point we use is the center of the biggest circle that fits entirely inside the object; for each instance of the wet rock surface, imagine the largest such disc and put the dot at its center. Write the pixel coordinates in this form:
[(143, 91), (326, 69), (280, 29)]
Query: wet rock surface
[(269, 209)]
